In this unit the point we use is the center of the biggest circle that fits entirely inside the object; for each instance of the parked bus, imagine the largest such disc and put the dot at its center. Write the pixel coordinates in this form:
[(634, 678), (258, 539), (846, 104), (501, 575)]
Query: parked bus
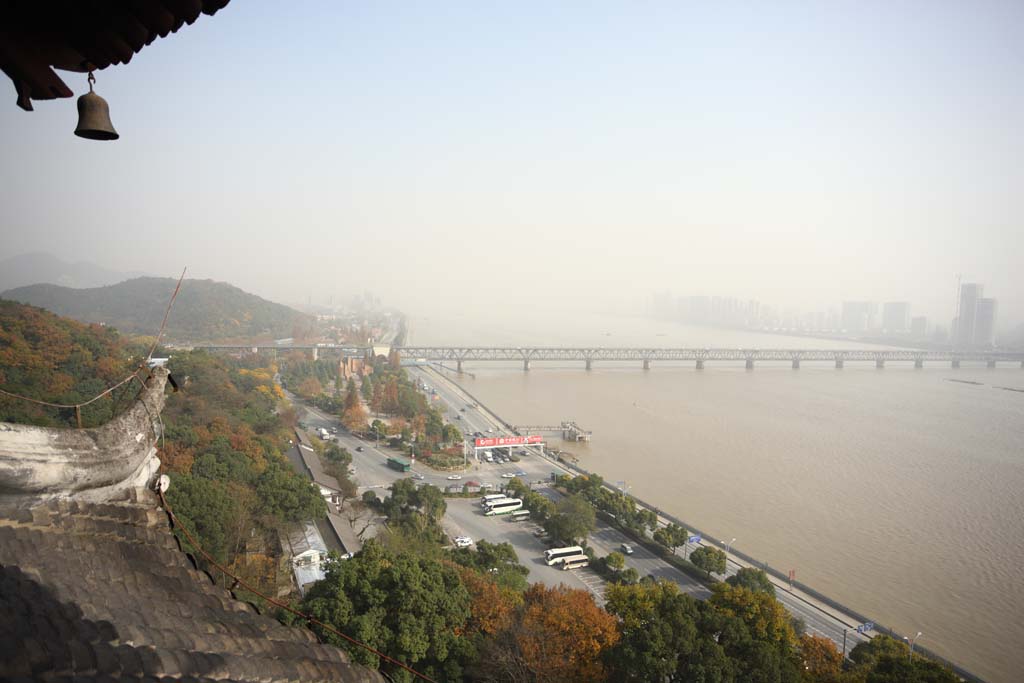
[(519, 516), (575, 562), (556, 555), (491, 497), (503, 507)]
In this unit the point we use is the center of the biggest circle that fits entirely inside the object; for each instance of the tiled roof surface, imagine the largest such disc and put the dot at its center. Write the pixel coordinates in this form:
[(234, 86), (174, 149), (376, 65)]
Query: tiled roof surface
[(103, 592)]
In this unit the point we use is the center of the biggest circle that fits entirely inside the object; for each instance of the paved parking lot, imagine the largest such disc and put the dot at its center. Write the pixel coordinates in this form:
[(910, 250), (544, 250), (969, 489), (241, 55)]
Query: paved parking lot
[(465, 518), (594, 583)]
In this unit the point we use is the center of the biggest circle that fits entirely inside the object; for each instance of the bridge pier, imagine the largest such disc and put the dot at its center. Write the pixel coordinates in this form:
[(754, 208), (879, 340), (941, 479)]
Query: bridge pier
[(458, 366), (700, 364), (750, 364), (956, 362), (880, 363), (589, 363), (256, 350), (919, 363), (647, 363), (316, 353), (526, 365), (839, 363), (796, 363), (991, 363)]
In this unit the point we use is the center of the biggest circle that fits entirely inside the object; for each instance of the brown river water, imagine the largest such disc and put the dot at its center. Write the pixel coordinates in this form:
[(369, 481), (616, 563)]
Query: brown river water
[(897, 492)]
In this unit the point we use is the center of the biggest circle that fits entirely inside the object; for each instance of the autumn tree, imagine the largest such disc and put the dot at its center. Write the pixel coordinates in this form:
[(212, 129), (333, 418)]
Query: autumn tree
[(492, 607), (822, 661), (559, 634), (354, 418), (709, 559), (309, 388)]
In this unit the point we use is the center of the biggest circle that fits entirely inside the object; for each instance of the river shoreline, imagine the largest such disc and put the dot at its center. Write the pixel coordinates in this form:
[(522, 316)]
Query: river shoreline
[(795, 590)]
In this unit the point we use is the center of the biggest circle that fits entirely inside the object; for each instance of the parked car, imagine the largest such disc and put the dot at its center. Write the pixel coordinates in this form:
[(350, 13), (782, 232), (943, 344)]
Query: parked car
[(359, 449), (508, 475), (626, 548), (418, 477), (463, 542), (520, 473), (454, 477)]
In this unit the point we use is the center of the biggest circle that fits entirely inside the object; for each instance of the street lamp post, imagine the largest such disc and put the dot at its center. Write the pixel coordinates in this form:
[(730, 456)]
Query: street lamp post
[(728, 546), (911, 641)]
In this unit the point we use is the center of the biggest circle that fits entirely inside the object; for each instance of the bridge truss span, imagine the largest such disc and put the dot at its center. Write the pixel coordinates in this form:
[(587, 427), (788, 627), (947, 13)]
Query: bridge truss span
[(589, 355)]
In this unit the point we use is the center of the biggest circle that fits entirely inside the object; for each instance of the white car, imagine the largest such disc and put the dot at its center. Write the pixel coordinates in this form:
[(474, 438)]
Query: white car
[(463, 542), (508, 475), (454, 477)]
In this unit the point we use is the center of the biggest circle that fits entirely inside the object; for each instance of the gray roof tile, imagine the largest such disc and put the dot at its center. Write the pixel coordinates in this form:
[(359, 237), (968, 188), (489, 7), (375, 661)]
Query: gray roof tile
[(103, 592)]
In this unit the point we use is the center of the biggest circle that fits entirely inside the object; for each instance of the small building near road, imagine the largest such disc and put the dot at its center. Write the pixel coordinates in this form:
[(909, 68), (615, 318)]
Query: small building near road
[(307, 551), (330, 489)]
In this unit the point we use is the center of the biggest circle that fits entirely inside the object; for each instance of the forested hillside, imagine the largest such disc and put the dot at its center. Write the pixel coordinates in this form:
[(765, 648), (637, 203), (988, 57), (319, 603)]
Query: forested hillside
[(54, 359), (226, 432), (205, 311)]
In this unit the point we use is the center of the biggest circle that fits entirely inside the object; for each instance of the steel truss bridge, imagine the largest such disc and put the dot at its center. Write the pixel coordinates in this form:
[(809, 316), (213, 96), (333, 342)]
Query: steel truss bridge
[(589, 355), (645, 356)]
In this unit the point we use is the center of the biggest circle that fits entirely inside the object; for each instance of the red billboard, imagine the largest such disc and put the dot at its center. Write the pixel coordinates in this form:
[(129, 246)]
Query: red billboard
[(491, 441)]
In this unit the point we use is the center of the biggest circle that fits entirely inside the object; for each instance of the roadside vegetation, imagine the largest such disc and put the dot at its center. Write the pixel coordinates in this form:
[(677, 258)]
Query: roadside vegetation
[(384, 404)]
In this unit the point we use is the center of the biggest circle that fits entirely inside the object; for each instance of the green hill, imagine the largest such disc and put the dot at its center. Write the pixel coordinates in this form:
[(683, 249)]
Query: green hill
[(205, 311)]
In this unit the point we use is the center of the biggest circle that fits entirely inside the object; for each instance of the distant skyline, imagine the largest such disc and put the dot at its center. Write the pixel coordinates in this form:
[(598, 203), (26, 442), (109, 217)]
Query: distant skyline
[(510, 157)]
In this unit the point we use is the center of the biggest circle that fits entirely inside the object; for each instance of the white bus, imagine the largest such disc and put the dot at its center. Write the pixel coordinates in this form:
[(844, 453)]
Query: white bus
[(575, 562), (556, 555), (491, 497), (503, 507), (519, 516)]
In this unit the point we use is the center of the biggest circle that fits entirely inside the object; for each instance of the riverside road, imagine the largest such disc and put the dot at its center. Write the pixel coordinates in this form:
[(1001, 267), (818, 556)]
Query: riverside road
[(465, 517)]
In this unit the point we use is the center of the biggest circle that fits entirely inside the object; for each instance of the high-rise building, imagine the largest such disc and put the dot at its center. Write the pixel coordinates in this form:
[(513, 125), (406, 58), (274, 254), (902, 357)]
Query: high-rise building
[(985, 322), (895, 317), (919, 326), (858, 316), (970, 292)]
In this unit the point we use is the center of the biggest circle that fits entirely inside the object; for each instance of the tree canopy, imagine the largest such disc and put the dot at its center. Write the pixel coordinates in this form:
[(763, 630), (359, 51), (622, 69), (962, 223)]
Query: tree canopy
[(573, 520), (412, 608)]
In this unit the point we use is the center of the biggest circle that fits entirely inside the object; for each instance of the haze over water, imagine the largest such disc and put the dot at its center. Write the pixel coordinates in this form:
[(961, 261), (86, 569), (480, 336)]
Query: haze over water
[(897, 492)]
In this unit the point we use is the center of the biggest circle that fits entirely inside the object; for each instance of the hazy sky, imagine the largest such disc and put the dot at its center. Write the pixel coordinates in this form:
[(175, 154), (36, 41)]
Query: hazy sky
[(456, 154)]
